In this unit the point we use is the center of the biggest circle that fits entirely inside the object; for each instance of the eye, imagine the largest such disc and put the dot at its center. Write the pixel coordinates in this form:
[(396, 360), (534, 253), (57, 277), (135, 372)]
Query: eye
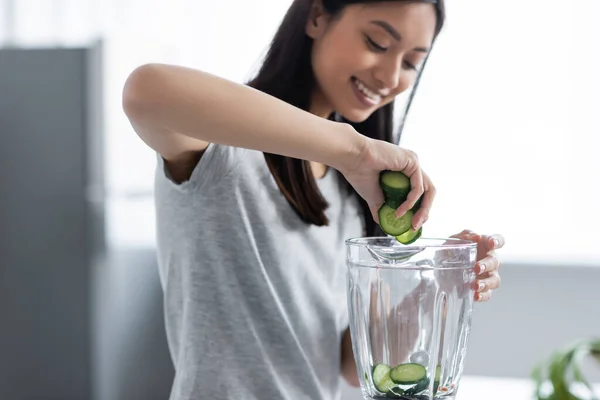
[(373, 45), (410, 66)]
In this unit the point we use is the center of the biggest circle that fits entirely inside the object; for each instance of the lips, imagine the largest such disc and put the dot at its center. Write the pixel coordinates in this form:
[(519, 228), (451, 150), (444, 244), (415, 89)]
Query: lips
[(365, 95)]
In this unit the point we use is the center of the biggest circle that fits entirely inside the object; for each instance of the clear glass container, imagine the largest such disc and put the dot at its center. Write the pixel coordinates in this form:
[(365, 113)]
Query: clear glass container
[(410, 315)]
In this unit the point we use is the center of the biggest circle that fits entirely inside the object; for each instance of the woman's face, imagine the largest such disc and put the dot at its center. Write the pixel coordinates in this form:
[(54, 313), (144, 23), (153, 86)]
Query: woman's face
[(367, 55)]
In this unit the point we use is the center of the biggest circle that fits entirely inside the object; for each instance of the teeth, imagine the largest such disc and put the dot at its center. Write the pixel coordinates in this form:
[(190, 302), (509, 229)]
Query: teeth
[(370, 94)]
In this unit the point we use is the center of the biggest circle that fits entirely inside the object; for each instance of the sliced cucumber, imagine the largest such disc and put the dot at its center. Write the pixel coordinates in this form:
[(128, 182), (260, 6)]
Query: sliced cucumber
[(436, 382), (410, 236), (395, 185), (417, 205), (392, 225), (395, 393), (408, 374), (396, 202), (423, 384), (381, 378)]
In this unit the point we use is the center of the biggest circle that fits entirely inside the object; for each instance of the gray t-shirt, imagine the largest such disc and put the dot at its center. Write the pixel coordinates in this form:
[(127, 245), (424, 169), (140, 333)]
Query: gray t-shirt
[(255, 299)]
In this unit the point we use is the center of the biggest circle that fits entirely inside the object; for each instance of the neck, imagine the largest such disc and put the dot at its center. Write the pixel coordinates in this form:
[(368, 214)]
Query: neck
[(319, 105)]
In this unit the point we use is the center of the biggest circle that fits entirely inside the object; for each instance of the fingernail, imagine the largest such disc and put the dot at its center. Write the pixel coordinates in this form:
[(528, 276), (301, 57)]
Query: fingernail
[(496, 243), (480, 286), (481, 268)]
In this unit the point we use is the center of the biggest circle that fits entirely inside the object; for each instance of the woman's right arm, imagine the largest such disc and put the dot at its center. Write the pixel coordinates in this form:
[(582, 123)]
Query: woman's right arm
[(178, 111)]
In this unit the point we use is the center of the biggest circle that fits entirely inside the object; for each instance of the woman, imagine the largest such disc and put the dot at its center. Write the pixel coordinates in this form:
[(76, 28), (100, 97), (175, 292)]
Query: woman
[(259, 185)]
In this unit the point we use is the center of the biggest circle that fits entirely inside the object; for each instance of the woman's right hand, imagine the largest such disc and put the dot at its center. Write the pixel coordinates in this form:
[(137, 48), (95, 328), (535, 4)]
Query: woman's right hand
[(378, 155)]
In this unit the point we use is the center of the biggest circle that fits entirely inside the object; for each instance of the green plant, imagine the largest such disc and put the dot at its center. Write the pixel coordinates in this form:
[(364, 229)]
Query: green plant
[(560, 376)]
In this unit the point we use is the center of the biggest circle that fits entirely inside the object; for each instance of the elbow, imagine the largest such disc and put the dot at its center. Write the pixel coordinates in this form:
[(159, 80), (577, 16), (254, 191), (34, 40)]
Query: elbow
[(350, 376), (139, 89), (348, 363)]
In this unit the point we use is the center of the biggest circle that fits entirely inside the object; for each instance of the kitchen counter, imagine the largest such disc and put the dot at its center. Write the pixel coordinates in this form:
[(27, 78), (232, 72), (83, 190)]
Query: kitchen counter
[(490, 388)]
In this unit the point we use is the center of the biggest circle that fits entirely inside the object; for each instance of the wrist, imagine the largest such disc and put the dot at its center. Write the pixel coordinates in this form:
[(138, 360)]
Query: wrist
[(350, 149)]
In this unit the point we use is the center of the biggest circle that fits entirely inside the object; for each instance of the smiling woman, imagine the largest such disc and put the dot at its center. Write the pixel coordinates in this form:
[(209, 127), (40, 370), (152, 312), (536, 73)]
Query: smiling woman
[(258, 186)]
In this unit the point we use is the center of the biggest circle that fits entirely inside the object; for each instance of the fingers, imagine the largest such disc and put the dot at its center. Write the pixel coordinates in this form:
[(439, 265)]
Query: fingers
[(423, 213), (416, 183), (487, 264), (484, 287), (483, 297), (493, 242), (488, 278), (491, 281)]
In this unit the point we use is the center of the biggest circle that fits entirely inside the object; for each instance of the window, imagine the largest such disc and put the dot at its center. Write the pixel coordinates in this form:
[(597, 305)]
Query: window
[(505, 123)]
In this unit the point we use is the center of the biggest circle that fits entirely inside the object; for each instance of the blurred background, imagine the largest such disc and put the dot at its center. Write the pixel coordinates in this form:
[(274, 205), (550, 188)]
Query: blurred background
[(505, 122)]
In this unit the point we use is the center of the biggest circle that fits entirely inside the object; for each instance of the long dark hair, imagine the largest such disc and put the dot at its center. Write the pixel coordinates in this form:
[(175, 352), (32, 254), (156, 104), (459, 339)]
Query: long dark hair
[(286, 73)]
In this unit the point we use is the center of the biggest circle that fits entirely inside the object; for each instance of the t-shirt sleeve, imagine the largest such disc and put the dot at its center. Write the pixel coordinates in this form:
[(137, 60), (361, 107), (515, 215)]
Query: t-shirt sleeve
[(217, 162)]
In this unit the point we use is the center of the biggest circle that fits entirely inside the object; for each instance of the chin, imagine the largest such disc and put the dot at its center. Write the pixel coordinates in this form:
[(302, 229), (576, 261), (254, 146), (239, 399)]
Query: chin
[(357, 116)]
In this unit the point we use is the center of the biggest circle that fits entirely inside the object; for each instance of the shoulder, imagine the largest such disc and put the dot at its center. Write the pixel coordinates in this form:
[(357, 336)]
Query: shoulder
[(214, 165)]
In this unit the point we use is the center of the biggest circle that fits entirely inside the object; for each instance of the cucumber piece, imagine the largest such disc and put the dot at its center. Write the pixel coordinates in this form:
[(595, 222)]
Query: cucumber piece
[(436, 382), (410, 236), (392, 225), (408, 374), (423, 384), (396, 393), (417, 205), (381, 378), (393, 202), (396, 202), (394, 184)]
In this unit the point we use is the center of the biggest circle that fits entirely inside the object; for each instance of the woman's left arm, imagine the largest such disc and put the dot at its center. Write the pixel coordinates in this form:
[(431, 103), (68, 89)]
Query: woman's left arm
[(348, 364), (487, 265)]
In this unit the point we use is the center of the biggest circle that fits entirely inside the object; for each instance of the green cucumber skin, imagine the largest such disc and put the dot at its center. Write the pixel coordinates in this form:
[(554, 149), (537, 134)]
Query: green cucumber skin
[(395, 202), (394, 199), (423, 384), (395, 195)]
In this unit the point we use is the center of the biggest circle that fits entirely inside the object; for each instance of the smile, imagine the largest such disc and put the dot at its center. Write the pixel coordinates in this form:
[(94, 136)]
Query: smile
[(364, 94)]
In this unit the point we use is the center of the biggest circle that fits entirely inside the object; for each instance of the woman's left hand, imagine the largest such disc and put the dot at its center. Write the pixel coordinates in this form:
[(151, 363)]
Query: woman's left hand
[(486, 268)]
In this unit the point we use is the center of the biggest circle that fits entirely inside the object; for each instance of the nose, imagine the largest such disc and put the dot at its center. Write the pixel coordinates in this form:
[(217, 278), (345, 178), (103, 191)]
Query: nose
[(388, 73)]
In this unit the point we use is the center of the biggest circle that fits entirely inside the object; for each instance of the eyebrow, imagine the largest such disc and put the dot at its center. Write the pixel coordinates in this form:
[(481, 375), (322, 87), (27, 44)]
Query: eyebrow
[(395, 34)]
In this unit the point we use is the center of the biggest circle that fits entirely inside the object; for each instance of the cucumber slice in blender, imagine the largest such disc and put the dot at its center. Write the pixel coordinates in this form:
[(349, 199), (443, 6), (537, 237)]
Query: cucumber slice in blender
[(381, 378), (396, 393), (436, 382), (390, 224), (423, 384), (408, 374)]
